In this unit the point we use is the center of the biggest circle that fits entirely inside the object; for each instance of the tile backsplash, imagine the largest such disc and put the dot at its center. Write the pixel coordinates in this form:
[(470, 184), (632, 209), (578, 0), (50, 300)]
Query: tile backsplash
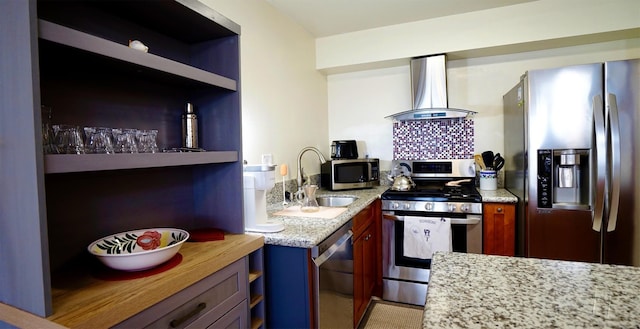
[(433, 139)]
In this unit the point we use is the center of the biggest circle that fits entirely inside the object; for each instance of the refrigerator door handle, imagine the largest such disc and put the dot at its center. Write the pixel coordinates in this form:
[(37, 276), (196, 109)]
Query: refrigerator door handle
[(614, 124), (600, 162)]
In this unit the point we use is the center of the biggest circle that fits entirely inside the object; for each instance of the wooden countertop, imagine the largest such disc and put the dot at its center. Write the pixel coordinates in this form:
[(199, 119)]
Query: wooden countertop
[(81, 300)]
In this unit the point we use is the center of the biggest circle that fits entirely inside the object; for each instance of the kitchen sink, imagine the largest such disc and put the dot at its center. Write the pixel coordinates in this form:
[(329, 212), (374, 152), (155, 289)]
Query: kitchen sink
[(335, 201)]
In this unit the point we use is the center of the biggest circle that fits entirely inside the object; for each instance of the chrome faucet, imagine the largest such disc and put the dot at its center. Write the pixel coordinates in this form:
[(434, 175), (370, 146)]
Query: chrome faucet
[(308, 148)]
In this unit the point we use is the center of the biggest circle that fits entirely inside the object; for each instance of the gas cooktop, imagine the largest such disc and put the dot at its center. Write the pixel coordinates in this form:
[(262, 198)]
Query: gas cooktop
[(446, 186), (466, 193), (436, 180)]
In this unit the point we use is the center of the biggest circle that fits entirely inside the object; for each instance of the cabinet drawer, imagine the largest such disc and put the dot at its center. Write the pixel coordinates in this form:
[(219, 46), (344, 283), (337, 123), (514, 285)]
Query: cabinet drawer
[(204, 301), (236, 318)]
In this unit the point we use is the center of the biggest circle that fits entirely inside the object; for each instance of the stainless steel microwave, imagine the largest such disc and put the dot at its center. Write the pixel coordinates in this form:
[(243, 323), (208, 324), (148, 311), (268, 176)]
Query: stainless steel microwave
[(346, 174)]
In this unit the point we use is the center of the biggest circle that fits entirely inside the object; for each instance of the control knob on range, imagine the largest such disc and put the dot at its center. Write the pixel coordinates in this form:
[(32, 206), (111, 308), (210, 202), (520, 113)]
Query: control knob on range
[(407, 206), (452, 207), (395, 205), (428, 206), (465, 207)]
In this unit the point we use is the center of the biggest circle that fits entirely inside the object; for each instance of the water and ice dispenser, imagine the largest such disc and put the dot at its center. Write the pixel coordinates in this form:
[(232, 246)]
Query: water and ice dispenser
[(564, 179)]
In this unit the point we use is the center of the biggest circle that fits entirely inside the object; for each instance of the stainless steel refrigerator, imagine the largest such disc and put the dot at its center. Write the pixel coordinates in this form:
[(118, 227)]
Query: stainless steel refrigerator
[(572, 151)]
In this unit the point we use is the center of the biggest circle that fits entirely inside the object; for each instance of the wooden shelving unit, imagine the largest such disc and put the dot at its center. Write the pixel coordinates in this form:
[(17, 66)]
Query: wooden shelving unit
[(73, 56), (256, 289)]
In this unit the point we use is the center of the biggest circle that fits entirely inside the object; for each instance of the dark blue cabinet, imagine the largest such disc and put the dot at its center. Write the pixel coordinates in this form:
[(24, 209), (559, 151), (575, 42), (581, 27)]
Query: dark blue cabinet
[(289, 287)]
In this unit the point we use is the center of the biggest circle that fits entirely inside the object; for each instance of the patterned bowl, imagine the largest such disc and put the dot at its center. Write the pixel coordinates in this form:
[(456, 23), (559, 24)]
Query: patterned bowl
[(140, 249)]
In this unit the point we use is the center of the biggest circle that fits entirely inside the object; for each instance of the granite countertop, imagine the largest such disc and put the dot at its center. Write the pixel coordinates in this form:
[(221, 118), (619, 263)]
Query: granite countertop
[(482, 291), (307, 232), (499, 196)]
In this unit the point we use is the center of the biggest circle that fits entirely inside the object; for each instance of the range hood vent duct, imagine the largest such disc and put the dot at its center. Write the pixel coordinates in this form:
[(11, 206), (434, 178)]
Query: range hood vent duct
[(429, 91)]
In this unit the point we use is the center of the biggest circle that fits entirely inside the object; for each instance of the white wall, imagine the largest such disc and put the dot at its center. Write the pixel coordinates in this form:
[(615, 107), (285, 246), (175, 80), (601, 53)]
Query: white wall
[(284, 98), (288, 104), (359, 101)]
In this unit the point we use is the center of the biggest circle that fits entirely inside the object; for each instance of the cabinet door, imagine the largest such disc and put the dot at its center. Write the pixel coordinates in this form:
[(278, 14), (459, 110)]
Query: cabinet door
[(499, 229), (359, 302), (364, 270), (369, 261), (289, 286)]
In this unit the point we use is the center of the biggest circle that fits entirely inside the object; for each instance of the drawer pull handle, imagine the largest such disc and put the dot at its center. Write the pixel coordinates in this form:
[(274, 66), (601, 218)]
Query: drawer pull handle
[(177, 322), (499, 209)]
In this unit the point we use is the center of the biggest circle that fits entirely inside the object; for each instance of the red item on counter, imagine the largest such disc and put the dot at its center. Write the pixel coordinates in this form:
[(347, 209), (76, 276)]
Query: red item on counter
[(206, 234), (108, 274)]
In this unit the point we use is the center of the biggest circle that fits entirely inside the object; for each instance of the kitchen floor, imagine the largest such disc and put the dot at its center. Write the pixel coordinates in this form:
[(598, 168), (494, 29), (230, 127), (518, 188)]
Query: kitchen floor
[(383, 315)]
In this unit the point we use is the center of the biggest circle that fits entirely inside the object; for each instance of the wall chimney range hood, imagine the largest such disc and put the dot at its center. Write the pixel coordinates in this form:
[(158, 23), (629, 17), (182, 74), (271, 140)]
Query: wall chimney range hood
[(429, 91)]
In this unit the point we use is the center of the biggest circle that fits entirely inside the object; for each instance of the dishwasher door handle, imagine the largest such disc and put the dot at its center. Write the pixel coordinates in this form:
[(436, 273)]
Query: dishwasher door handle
[(327, 254)]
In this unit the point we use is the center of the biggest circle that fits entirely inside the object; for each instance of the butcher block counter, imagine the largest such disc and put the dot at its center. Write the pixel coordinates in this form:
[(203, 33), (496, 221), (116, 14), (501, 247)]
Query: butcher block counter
[(82, 299), (482, 291)]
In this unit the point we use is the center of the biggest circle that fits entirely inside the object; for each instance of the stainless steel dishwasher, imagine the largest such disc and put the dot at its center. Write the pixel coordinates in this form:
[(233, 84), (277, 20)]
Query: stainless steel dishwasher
[(333, 284)]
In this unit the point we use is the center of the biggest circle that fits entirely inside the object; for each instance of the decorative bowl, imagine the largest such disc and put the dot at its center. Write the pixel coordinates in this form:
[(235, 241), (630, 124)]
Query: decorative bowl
[(139, 249)]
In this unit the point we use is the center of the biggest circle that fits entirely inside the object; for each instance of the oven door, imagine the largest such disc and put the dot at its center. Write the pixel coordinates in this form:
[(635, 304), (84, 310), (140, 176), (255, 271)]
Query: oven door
[(466, 233), (405, 279)]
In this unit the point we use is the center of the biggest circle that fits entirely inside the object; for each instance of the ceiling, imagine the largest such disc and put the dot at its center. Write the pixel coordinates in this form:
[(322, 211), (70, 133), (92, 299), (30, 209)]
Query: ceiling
[(329, 17)]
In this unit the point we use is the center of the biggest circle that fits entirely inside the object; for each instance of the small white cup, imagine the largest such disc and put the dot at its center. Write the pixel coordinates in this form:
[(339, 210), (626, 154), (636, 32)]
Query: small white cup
[(488, 180)]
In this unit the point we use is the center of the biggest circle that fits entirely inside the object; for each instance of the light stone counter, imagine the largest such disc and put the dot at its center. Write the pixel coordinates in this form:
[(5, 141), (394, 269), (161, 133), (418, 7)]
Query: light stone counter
[(306, 232), (481, 291), (499, 196)]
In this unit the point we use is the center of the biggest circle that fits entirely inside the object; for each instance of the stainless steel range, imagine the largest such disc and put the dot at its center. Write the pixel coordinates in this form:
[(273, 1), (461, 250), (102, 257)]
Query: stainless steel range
[(444, 191)]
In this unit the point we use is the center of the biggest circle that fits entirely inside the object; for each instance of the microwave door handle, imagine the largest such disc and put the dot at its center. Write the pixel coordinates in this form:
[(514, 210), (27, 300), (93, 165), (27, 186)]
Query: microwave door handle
[(600, 162), (614, 123)]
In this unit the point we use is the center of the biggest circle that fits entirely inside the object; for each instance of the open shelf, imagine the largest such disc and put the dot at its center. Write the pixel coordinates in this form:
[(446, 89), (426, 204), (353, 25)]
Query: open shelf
[(115, 51), (254, 275), (255, 299), (256, 323), (69, 163), (73, 57)]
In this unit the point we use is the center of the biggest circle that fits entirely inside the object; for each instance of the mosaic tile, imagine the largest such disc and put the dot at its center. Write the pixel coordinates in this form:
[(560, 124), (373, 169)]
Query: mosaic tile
[(433, 139)]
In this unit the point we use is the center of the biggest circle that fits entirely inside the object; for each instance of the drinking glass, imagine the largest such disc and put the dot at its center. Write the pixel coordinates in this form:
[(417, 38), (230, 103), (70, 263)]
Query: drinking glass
[(147, 141), (125, 140), (68, 139), (48, 136), (98, 140)]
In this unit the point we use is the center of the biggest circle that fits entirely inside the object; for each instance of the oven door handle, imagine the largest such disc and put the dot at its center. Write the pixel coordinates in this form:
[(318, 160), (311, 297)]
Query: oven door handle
[(471, 219)]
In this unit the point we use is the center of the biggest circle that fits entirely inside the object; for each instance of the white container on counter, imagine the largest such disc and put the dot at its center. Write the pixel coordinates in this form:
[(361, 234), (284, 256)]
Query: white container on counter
[(488, 180)]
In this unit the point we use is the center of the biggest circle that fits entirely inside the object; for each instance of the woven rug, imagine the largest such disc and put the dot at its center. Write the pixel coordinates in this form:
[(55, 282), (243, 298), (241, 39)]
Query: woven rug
[(385, 315)]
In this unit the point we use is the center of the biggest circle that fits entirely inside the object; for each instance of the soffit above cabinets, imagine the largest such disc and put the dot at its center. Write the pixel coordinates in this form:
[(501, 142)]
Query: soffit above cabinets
[(331, 17)]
